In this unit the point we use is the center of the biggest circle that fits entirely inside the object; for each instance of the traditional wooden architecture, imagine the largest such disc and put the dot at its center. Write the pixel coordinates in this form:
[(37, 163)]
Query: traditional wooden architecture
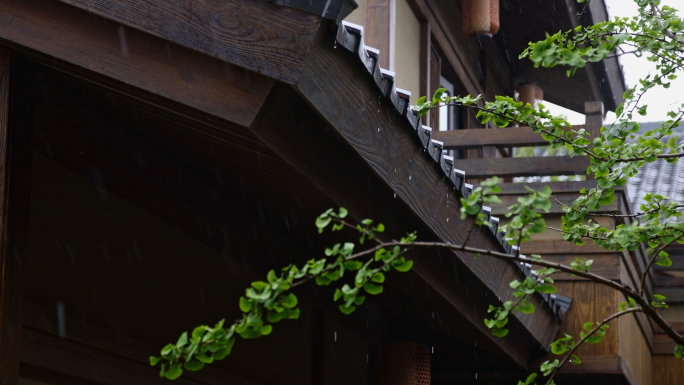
[(157, 156)]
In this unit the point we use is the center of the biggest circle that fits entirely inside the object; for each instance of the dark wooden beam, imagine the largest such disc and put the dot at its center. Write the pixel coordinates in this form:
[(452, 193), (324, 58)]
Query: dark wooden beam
[(500, 138), (559, 246), (370, 157), (257, 35), (16, 130), (98, 346), (85, 141), (377, 34), (346, 179), (124, 57), (566, 199), (53, 353), (556, 187), (512, 167)]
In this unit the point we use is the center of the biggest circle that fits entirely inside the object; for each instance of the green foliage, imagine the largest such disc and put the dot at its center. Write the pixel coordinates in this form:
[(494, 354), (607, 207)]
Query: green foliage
[(268, 302), (617, 154), (481, 195)]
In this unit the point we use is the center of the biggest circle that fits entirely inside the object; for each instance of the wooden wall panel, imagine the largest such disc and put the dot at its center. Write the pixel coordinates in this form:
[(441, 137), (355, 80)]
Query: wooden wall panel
[(637, 363), (16, 130), (591, 302), (667, 370)]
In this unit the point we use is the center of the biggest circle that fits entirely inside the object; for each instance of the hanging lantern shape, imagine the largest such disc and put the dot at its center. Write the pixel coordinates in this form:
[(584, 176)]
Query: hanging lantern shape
[(481, 17), (530, 93)]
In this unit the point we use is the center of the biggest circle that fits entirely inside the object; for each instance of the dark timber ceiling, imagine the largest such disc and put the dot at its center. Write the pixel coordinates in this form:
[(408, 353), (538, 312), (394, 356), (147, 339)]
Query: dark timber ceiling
[(186, 212), (524, 21)]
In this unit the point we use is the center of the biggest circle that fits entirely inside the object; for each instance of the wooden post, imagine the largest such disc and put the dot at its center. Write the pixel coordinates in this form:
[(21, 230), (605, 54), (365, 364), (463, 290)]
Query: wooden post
[(425, 52), (594, 118), (16, 129), (593, 121), (378, 15)]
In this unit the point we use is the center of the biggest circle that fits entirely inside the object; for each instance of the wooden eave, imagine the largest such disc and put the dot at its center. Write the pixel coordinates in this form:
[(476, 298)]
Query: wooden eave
[(524, 21), (344, 85), (158, 62)]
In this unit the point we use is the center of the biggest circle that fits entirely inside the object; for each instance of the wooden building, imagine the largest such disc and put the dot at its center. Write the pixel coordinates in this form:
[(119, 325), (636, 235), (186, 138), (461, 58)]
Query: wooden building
[(157, 156)]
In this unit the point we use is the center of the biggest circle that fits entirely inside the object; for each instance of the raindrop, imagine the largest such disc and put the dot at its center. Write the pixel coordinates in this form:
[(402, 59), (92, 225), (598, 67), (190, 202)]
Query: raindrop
[(61, 320), (378, 129), (336, 336), (123, 41), (335, 46), (395, 195), (433, 350), (409, 177), (447, 219), (202, 295), (71, 254), (378, 110)]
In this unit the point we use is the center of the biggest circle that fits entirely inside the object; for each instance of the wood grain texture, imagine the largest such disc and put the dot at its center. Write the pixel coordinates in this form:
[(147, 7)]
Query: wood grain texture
[(500, 138), (556, 187), (500, 209), (136, 59), (333, 80), (135, 352), (50, 352), (595, 365), (512, 167), (591, 302), (634, 350), (81, 138), (257, 35), (667, 370), (10, 271), (606, 265), (16, 130), (663, 345), (377, 30), (559, 246), (348, 180)]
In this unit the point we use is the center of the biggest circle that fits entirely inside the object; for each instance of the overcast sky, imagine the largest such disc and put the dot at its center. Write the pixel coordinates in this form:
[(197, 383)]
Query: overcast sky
[(659, 100)]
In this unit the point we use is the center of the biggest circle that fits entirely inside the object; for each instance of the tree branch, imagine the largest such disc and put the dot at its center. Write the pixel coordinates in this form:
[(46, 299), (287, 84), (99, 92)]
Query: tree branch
[(578, 344), (653, 259)]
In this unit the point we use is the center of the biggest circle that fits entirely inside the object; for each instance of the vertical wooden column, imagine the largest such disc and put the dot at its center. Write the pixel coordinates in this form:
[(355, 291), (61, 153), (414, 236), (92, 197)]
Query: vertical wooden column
[(377, 33), (16, 129), (594, 118), (425, 50), (593, 121)]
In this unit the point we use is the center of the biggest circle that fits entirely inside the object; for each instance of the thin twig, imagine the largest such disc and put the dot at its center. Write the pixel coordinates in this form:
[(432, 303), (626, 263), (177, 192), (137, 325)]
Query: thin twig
[(580, 342), (653, 259)]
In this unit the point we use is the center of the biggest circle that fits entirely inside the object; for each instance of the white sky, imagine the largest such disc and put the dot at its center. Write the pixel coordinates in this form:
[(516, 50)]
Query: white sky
[(659, 100)]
